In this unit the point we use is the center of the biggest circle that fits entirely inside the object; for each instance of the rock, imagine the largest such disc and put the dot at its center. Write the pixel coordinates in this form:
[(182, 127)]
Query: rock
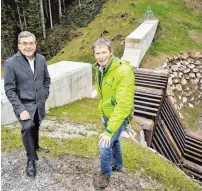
[(195, 70), (170, 92), (197, 62), (190, 105), (198, 75), (195, 81), (186, 76), (178, 64), (196, 55), (180, 97), (170, 82), (175, 74), (174, 68), (187, 88), (185, 56), (187, 71), (192, 75), (192, 98), (165, 64), (175, 80), (184, 100), (185, 63), (181, 116), (182, 68), (183, 81), (190, 60), (178, 87), (180, 74), (191, 66)]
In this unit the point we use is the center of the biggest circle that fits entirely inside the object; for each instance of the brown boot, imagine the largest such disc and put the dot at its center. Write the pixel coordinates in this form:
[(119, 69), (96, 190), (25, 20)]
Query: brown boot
[(101, 181)]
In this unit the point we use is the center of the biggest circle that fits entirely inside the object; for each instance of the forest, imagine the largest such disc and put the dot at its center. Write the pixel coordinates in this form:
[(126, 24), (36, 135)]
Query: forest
[(52, 21)]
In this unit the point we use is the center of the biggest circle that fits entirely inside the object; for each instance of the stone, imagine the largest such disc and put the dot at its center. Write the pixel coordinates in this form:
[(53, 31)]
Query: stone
[(186, 76), (192, 75), (180, 97), (195, 81), (182, 68), (185, 63), (185, 56), (183, 81), (170, 92), (198, 74), (181, 116), (197, 62), (184, 100), (190, 105), (174, 68), (180, 74), (165, 64), (192, 98), (170, 82), (191, 66), (196, 55), (178, 87), (195, 70), (187, 71), (175, 80), (178, 64), (175, 74)]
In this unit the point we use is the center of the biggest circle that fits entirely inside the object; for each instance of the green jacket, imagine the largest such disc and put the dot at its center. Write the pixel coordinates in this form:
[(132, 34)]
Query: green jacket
[(116, 90)]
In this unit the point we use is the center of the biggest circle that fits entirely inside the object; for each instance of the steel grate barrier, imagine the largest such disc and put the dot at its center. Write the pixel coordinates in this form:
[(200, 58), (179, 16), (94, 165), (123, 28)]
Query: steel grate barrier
[(169, 137)]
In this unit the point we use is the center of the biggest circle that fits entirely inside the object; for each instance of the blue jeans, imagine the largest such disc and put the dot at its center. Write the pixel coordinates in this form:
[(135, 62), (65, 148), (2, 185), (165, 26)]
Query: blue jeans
[(112, 156)]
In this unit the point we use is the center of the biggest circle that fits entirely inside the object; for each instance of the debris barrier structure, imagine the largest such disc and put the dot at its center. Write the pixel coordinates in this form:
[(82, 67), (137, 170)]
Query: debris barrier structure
[(70, 81), (167, 135)]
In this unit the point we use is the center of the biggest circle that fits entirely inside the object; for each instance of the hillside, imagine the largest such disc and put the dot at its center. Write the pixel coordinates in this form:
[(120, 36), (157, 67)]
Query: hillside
[(179, 29)]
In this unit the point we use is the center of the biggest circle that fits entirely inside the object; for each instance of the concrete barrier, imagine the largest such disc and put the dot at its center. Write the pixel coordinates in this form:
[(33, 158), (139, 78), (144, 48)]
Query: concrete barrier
[(137, 43), (70, 81)]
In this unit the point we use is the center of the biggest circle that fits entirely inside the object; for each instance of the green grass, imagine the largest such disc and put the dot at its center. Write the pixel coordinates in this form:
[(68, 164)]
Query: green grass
[(80, 112), (176, 20), (191, 116), (135, 157)]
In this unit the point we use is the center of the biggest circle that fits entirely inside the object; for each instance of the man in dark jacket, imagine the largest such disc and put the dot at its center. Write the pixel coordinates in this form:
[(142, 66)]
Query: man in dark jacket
[(26, 82)]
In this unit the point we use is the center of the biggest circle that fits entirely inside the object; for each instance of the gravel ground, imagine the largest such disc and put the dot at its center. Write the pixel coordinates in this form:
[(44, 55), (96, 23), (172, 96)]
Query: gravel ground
[(68, 173)]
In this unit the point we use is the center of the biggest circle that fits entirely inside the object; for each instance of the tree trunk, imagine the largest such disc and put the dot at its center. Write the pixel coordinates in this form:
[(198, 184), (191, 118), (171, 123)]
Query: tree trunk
[(25, 21), (42, 19), (46, 8), (20, 21), (63, 6), (50, 13), (60, 9), (80, 4)]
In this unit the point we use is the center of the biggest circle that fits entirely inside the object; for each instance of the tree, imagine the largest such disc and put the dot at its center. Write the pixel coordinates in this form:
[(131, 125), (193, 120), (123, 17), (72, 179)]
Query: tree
[(60, 9), (42, 19), (50, 14)]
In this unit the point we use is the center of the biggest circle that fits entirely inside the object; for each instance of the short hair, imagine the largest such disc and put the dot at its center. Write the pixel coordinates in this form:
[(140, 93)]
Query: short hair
[(102, 41), (25, 34)]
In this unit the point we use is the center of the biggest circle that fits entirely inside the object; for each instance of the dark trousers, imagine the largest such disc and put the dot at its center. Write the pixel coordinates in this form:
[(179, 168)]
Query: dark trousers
[(30, 136)]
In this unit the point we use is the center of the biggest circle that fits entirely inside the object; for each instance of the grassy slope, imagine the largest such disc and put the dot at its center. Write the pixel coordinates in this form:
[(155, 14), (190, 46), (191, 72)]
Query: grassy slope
[(135, 156), (176, 20)]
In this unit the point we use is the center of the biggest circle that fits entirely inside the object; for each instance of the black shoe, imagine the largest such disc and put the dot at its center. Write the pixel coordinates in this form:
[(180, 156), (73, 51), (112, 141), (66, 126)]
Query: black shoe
[(42, 150), (31, 169), (114, 169), (101, 181)]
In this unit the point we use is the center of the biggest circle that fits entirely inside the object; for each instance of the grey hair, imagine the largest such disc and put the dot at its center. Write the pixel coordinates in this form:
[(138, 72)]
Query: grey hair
[(102, 41), (25, 34)]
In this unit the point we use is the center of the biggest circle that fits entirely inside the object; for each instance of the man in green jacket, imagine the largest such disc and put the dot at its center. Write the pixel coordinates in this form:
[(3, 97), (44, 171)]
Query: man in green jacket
[(114, 82)]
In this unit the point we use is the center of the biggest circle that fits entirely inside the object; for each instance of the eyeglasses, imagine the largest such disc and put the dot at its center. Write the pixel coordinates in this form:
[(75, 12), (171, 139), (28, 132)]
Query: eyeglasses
[(28, 43)]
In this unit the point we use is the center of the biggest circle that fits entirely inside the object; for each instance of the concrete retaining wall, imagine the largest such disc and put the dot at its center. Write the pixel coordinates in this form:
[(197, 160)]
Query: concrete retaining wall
[(70, 81), (138, 42)]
